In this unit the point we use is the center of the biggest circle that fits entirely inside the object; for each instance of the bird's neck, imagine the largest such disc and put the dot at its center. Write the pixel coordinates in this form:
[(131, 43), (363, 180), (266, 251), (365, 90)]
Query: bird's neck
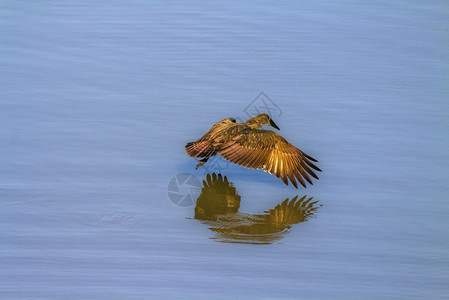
[(254, 123)]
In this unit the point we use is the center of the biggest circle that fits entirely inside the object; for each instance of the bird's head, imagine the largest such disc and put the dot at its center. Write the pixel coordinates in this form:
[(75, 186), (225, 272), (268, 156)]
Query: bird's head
[(260, 120), (227, 121)]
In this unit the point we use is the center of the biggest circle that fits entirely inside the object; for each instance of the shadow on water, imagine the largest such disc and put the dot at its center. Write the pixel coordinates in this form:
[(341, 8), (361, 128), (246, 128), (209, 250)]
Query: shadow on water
[(218, 204)]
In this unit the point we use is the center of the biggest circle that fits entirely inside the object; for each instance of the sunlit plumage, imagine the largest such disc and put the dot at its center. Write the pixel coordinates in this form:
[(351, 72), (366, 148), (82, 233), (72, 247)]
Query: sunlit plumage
[(246, 145)]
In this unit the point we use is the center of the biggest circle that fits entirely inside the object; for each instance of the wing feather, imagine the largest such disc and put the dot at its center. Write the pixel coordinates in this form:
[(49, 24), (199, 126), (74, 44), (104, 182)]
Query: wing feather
[(310, 164), (304, 165), (304, 174), (299, 177)]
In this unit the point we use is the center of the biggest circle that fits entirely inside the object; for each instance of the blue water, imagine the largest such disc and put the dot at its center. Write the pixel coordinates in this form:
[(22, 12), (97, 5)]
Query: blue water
[(97, 100)]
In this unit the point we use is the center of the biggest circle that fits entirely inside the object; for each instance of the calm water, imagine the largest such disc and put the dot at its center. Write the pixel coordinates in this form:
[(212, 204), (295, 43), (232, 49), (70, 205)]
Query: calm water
[(97, 101)]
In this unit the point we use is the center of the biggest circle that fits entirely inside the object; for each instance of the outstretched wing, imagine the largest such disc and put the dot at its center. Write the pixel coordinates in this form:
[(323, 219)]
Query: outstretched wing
[(267, 150), (199, 149)]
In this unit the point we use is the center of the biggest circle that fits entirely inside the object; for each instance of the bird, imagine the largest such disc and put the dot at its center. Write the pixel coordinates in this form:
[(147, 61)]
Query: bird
[(246, 145)]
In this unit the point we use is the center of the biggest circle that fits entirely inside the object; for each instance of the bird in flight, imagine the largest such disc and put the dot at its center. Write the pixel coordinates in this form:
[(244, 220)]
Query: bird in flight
[(246, 145)]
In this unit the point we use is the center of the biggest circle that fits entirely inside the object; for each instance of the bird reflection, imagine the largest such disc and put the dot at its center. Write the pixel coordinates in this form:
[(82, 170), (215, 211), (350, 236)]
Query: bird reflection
[(218, 205)]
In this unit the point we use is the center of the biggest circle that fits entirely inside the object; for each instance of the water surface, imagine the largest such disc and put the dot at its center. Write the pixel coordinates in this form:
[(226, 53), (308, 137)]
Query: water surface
[(98, 99)]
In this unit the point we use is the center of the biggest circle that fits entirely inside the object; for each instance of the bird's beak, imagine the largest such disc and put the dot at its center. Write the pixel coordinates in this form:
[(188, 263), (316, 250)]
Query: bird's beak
[(274, 124)]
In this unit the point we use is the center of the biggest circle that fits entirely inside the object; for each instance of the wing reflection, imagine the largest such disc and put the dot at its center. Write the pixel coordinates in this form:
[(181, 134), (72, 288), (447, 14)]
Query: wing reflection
[(218, 205)]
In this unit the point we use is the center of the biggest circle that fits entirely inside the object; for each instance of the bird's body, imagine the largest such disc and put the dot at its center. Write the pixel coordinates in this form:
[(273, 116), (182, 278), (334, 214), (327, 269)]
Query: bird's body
[(246, 145)]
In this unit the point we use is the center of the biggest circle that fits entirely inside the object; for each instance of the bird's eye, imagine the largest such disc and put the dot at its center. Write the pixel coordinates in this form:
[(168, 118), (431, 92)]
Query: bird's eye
[(232, 120)]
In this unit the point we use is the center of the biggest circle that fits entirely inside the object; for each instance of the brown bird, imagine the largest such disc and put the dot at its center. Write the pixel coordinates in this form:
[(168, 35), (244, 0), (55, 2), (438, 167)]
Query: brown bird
[(246, 145)]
